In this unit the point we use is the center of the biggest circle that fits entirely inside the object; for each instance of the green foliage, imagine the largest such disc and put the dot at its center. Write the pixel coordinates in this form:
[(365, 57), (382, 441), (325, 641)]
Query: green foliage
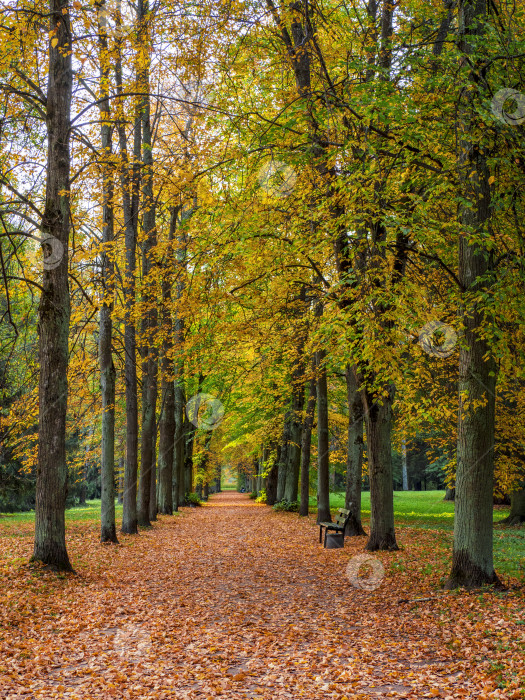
[(253, 495), (192, 499), (17, 490), (288, 506), (261, 498)]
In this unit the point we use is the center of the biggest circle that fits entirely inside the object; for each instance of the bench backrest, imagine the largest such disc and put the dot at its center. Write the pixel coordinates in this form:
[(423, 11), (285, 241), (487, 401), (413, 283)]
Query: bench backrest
[(343, 516)]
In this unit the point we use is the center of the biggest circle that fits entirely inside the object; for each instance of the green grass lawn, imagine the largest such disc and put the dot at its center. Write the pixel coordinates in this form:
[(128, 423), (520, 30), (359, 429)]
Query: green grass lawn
[(428, 510), (88, 513)]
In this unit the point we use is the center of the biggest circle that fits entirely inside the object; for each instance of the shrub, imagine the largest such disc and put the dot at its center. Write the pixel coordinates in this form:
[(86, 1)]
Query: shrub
[(191, 499), (253, 495), (289, 506), (261, 498)]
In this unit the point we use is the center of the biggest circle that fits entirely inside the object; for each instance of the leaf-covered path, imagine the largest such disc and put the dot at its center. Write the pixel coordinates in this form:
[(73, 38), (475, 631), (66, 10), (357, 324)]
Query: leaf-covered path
[(233, 600)]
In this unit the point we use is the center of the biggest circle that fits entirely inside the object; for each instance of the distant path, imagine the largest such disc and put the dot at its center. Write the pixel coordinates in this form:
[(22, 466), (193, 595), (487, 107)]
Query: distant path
[(229, 600)]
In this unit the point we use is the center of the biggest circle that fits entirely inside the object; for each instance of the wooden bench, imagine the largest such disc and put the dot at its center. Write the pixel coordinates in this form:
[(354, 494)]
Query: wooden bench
[(341, 521)]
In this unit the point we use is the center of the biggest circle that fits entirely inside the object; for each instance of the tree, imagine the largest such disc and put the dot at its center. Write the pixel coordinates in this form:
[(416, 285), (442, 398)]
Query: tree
[(354, 458), (472, 560), (306, 441), (107, 367), (149, 318), (323, 458), (54, 310)]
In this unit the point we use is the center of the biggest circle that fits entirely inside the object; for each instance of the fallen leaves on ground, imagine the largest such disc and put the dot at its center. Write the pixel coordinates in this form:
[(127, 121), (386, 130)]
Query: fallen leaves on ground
[(235, 601)]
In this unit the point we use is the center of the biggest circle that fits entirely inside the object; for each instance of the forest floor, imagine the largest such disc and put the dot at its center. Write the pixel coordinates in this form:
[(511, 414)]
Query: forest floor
[(235, 601)]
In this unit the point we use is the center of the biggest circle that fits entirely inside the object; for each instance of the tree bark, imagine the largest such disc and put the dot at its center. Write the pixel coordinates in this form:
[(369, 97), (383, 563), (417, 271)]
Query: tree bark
[(472, 557), (272, 478), (404, 463), (517, 508), (153, 508), (108, 531), (179, 485), (167, 437), (323, 459), (149, 319), (130, 205), (378, 418), (293, 461), (120, 496), (54, 308), (306, 444), (281, 474), (354, 455)]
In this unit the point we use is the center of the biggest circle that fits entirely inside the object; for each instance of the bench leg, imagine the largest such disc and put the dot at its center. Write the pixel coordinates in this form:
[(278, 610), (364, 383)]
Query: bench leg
[(320, 534)]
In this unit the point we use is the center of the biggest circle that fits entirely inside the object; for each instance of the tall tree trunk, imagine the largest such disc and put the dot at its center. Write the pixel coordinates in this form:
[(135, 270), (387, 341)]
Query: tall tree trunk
[(285, 444), (472, 558), (54, 309), (378, 418), (306, 444), (517, 508), (153, 508), (404, 464), (167, 437), (179, 485), (182, 466), (120, 496), (108, 531), (323, 459), (293, 462), (189, 439), (85, 468), (130, 205), (273, 477), (354, 454), (149, 319)]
